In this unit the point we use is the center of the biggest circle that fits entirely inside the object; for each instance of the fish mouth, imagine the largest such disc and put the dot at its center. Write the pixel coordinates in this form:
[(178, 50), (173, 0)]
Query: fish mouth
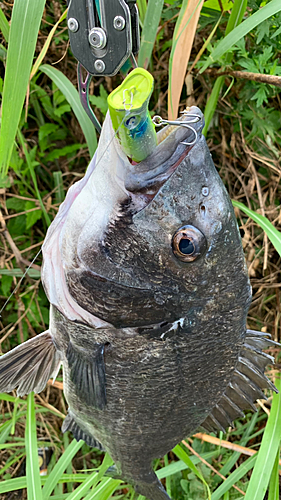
[(174, 144)]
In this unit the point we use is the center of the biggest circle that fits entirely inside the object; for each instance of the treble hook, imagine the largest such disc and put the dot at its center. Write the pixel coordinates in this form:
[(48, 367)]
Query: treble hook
[(158, 121)]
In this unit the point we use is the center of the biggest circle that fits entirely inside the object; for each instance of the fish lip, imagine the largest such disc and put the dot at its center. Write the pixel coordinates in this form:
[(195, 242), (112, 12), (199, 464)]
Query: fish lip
[(163, 161)]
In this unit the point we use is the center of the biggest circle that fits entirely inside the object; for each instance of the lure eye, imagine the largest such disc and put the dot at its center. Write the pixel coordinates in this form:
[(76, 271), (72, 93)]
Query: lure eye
[(188, 243), (132, 122)]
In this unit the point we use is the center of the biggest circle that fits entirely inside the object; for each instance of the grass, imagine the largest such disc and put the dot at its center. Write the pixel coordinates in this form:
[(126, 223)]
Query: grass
[(47, 141)]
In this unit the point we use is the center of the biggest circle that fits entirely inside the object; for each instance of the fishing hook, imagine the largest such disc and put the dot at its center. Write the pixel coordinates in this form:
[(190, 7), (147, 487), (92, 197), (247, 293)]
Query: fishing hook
[(158, 121)]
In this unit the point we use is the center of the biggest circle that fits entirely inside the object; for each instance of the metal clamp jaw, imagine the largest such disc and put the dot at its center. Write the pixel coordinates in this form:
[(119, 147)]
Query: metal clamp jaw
[(103, 33)]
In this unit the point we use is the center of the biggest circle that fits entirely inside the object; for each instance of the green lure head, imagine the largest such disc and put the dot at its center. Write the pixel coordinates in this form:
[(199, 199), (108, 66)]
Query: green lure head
[(128, 107)]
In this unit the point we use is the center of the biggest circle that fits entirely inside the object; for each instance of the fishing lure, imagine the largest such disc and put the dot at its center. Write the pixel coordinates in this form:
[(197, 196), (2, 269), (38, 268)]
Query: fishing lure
[(128, 108)]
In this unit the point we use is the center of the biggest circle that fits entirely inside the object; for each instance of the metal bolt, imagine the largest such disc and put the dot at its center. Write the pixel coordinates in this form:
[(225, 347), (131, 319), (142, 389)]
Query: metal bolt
[(205, 191), (119, 23), (97, 38), (73, 24), (99, 66)]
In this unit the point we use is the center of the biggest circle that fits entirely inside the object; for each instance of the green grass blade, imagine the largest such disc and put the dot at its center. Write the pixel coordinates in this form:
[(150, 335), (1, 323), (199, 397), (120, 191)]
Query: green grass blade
[(59, 193), (234, 477), (12, 460), (60, 467), (212, 103), (84, 487), (4, 25), (180, 453), (3, 395), (33, 479), (273, 234), (33, 177), (46, 46), (273, 491), (19, 483), (72, 96), (104, 490), (3, 52), (69, 466), (267, 453), (92, 480), (5, 431), (179, 465), (142, 6), (168, 478), (150, 25), (230, 463), (26, 18), (236, 16), (17, 272), (240, 31)]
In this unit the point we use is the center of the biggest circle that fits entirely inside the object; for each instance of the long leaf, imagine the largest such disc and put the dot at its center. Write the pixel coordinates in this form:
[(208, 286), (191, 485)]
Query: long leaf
[(267, 453), (248, 25), (150, 25), (33, 177), (72, 96), (60, 467), (19, 483), (46, 46), (17, 272), (234, 477), (93, 479), (186, 459), (184, 34), (104, 490), (273, 490), (26, 18), (235, 18), (33, 479), (273, 234), (4, 25), (142, 6)]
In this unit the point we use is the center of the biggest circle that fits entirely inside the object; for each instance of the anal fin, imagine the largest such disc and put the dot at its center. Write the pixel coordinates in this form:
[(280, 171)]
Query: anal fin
[(29, 365), (247, 382), (70, 424), (87, 372)]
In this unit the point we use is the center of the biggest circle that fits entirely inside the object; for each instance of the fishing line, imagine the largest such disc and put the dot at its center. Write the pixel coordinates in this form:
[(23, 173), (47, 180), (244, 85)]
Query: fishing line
[(127, 111), (18, 284)]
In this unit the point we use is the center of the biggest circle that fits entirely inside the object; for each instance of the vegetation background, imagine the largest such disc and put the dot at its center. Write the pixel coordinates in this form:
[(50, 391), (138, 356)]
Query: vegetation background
[(223, 56)]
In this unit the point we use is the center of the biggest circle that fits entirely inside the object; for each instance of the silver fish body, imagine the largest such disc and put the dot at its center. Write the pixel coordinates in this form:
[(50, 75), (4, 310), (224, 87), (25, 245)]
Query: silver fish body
[(149, 293)]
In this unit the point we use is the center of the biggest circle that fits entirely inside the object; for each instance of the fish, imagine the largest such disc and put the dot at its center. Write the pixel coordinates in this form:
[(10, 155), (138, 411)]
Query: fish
[(149, 292)]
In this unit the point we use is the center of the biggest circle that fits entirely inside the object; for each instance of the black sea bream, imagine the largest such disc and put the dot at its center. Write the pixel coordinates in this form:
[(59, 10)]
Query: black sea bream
[(149, 292)]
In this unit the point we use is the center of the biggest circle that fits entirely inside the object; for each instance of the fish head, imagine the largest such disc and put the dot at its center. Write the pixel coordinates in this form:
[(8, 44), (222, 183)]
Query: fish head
[(151, 243)]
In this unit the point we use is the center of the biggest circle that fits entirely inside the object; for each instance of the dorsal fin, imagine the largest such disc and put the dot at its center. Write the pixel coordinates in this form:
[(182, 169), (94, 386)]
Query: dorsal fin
[(246, 384)]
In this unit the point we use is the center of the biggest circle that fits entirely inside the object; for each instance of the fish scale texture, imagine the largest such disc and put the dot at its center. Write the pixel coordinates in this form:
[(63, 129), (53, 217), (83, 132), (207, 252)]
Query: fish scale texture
[(153, 340)]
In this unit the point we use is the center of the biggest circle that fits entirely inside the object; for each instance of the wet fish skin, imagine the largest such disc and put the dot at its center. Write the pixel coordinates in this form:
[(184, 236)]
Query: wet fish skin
[(151, 347)]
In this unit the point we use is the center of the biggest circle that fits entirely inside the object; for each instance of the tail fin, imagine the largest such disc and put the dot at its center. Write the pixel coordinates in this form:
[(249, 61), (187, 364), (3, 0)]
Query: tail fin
[(152, 489), (29, 365)]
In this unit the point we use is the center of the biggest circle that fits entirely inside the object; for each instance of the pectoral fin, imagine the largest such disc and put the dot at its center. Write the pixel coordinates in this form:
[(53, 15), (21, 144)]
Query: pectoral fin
[(29, 365), (246, 384), (87, 372)]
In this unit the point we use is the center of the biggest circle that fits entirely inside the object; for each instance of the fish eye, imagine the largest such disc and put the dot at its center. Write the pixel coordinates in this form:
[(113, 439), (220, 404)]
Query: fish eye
[(188, 243)]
